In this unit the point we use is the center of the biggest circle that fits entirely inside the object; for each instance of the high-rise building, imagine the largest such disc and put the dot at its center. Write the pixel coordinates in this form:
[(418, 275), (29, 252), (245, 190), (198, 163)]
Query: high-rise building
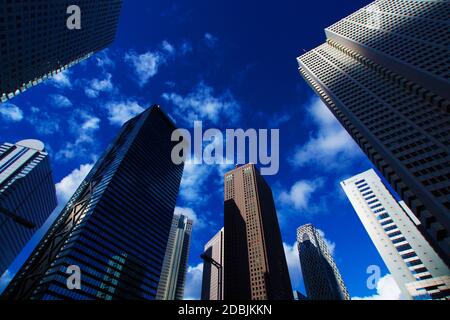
[(27, 195), (321, 276), (415, 266), (173, 274), (383, 72), (255, 264), (36, 43), (115, 227), (212, 280), (299, 296)]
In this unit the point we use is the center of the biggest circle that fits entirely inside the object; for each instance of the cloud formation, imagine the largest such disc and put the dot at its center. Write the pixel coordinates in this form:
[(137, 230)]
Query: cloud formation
[(193, 287), (387, 289), (96, 86), (329, 146), (198, 223), (10, 112), (60, 101), (293, 262), (120, 112), (202, 103), (299, 195), (83, 126), (61, 80)]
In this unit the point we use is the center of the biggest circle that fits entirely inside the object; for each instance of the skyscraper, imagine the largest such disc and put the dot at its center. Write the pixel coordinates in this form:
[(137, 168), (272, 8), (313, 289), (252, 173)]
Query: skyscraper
[(27, 195), (212, 279), (115, 227), (320, 273), (173, 274), (255, 265), (415, 266), (383, 72), (35, 42)]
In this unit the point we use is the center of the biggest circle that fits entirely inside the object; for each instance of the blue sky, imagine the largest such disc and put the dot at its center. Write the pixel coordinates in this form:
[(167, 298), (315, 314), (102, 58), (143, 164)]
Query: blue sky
[(238, 59)]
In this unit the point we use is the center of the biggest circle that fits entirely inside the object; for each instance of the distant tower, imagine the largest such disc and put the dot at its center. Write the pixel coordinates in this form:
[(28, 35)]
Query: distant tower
[(116, 226), (212, 281), (173, 274), (27, 195), (320, 273), (255, 264), (384, 73), (419, 272), (35, 42)]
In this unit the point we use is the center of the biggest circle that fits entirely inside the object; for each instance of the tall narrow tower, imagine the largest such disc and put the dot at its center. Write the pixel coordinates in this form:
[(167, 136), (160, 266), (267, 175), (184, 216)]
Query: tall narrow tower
[(36, 42), (383, 72), (27, 195), (394, 230), (173, 275), (255, 264), (212, 280), (320, 273), (115, 228)]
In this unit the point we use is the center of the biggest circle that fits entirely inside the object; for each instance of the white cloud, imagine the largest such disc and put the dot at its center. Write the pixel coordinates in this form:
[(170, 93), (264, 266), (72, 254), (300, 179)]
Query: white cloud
[(387, 289), (96, 86), (62, 79), (193, 180), (145, 65), (210, 40), (193, 287), (121, 112), (186, 47), (59, 100), (169, 48), (330, 146), (198, 223), (11, 112), (43, 122), (330, 244), (300, 193), (67, 186), (202, 104), (103, 59), (293, 262), (83, 126)]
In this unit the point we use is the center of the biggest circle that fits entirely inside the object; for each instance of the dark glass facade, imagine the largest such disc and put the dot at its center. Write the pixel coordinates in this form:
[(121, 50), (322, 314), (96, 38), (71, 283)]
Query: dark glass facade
[(35, 42), (116, 226), (27, 197)]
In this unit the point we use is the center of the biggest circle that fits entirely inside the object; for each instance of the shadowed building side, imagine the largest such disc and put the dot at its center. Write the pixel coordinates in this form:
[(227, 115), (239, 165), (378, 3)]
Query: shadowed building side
[(116, 226)]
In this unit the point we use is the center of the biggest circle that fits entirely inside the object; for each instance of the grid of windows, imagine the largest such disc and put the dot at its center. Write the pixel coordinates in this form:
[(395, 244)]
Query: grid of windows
[(321, 276), (27, 191), (402, 125), (119, 241), (35, 42)]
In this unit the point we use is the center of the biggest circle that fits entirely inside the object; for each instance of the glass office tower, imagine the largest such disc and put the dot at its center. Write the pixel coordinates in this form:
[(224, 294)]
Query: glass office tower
[(320, 273), (27, 195), (384, 73), (394, 230), (173, 275), (35, 42), (116, 226)]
